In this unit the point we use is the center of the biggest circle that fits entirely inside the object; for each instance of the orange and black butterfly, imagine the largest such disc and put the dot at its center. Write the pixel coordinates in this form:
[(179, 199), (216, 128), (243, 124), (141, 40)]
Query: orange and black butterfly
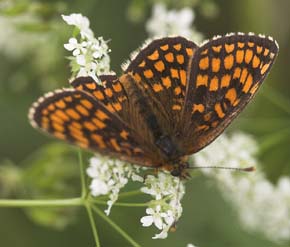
[(173, 99)]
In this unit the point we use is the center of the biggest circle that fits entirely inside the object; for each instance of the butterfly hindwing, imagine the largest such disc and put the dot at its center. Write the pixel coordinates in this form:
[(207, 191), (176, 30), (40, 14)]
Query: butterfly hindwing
[(225, 74), (76, 117)]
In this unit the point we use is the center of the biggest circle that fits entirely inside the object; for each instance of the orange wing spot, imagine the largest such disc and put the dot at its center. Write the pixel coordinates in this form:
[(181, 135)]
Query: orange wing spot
[(259, 49), (174, 73), (68, 99), (204, 63), (98, 140), (248, 83), (44, 112), (87, 104), (215, 64), (177, 47), (91, 86), (169, 57), (254, 88), (115, 144), (214, 124), (109, 92), (117, 106), (255, 62), (244, 75), (207, 116), (142, 64), (59, 135), (58, 127), (204, 52), (182, 74), (198, 107), (225, 81), (164, 47), (217, 48), (237, 73), (60, 104), (159, 66), (202, 80), (98, 123), (236, 102), (51, 107), (137, 150), (124, 134), (264, 68), (157, 87), (117, 87), (219, 110), (90, 126), (137, 77), (229, 47), (75, 132), (62, 115), (266, 52), (77, 96), (180, 59), (241, 45), (214, 84), (99, 95), (80, 87), (73, 114), (177, 90), (176, 107), (166, 81), (82, 110), (202, 127), (154, 55), (251, 44), (122, 98), (189, 51), (231, 95), (229, 61), (110, 108), (248, 56), (76, 125), (101, 115), (148, 73), (240, 56)]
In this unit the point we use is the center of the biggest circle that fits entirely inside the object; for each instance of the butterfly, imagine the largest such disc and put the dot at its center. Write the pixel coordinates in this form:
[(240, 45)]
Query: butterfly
[(173, 99)]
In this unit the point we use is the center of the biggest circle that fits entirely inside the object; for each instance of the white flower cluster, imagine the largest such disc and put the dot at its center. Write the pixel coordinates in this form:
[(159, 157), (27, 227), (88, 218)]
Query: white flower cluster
[(165, 22), (109, 176), (165, 209), (262, 206), (90, 54)]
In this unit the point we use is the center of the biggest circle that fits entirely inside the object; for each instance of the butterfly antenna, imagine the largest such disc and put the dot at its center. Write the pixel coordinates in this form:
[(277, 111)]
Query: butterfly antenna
[(239, 169)]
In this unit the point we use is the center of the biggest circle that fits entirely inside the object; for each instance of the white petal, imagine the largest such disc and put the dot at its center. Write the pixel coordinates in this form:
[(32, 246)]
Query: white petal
[(146, 221)]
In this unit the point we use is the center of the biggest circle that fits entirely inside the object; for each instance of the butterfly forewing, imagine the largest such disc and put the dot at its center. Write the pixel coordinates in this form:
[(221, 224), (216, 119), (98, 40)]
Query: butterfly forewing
[(160, 71), (225, 74), (78, 118)]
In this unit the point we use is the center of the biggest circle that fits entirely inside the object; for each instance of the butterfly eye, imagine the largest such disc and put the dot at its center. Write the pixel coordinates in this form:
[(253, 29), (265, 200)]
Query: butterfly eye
[(175, 173)]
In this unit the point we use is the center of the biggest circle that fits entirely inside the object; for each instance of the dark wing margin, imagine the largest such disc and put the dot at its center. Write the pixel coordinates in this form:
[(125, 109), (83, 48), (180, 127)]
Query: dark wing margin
[(76, 117), (226, 73)]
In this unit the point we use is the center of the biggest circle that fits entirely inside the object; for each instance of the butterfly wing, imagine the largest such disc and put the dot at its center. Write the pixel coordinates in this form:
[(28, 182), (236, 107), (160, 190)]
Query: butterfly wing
[(78, 118), (226, 73), (156, 82)]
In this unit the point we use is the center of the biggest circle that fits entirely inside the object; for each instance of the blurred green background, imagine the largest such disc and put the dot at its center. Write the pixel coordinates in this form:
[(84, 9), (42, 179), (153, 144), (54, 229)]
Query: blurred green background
[(50, 169)]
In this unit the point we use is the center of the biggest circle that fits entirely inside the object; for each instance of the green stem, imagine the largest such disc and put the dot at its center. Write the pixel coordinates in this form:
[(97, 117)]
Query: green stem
[(42, 203), (130, 193), (116, 227), (93, 224), (82, 174)]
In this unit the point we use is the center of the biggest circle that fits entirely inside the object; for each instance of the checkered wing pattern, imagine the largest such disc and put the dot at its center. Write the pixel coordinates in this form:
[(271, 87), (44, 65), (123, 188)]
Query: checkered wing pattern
[(77, 117), (226, 73)]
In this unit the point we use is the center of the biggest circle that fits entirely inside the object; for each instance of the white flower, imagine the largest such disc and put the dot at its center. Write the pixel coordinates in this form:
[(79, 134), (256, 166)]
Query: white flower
[(108, 177), (262, 206), (165, 22), (90, 54), (165, 208), (190, 245), (81, 22)]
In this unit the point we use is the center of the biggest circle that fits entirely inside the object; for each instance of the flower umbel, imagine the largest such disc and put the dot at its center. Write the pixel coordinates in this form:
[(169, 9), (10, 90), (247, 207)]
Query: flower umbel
[(90, 54)]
